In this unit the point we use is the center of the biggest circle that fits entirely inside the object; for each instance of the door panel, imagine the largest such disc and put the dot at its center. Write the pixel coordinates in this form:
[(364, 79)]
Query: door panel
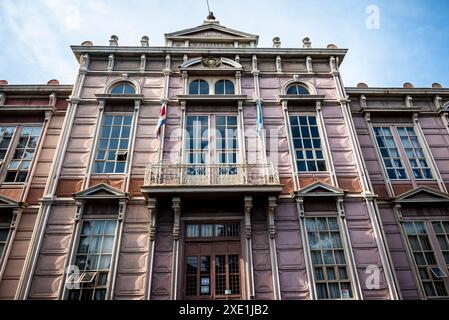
[(212, 271)]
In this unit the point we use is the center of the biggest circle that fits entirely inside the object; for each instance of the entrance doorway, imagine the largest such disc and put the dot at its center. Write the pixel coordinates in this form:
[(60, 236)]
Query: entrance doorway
[(212, 259)]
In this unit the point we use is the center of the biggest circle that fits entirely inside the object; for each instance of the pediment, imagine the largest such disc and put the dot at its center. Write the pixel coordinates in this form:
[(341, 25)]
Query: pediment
[(423, 194), (101, 191), (320, 189), (211, 32), (6, 202)]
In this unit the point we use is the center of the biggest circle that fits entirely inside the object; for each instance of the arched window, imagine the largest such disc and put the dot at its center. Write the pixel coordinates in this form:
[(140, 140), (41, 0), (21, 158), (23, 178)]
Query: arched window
[(123, 88), (199, 87), (297, 89), (224, 87)]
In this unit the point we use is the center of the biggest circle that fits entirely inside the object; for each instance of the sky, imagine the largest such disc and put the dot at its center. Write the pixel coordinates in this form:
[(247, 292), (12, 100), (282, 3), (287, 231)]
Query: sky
[(390, 42)]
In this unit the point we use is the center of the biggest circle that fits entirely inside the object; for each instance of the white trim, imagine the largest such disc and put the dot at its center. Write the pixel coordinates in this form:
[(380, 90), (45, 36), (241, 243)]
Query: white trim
[(308, 85), (107, 89), (34, 248), (428, 154)]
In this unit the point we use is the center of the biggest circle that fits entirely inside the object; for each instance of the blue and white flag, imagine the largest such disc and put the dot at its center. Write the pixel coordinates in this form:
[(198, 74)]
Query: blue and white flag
[(259, 116)]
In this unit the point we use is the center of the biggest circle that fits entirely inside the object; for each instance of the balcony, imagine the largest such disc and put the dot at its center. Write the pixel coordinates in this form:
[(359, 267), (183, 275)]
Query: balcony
[(182, 178)]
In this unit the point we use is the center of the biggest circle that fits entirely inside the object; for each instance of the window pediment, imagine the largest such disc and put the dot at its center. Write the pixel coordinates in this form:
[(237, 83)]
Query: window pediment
[(423, 194), (320, 189), (101, 191), (6, 202)]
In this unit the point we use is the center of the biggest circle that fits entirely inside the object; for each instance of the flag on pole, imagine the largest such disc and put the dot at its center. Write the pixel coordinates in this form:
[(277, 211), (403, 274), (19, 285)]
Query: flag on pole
[(162, 118), (259, 116)]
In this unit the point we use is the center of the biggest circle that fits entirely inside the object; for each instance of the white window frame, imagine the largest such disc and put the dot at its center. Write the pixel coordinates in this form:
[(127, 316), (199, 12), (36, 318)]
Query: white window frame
[(118, 151), (4, 164), (401, 150), (323, 145), (211, 81), (350, 268), (74, 253), (212, 150), (436, 254)]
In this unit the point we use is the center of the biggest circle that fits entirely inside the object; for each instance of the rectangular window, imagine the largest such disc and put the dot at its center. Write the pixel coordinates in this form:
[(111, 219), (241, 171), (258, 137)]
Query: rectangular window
[(227, 147), (441, 229), (4, 234), (414, 152), (307, 144), (424, 257), (330, 267), (6, 136), (94, 259), (218, 230), (113, 145), (390, 153), (198, 139), (20, 163)]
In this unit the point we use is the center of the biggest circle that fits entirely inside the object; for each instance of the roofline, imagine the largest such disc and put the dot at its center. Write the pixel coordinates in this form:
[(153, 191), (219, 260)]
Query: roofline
[(78, 50), (26, 88), (396, 91)]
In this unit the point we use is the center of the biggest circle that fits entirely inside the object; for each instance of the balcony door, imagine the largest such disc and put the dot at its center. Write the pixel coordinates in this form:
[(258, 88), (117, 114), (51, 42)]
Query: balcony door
[(211, 149), (212, 262)]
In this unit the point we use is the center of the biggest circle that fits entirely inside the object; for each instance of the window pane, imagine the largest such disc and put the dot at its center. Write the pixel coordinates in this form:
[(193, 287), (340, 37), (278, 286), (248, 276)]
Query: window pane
[(414, 153), (326, 248), (115, 135), (23, 155), (303, 128)]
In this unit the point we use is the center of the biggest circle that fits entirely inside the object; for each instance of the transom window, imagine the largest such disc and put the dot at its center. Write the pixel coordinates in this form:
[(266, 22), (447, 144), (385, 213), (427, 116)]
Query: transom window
[(224, 87), (330, 268), (199, 87), (307, 143), (432, 277), (297, 89), (411, 148), (123, 88), (218, 230), (113, 145), (94, 258), (18, 146)]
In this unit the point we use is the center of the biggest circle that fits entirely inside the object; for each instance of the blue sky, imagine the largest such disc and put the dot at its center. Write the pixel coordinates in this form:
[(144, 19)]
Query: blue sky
[(410, 45)]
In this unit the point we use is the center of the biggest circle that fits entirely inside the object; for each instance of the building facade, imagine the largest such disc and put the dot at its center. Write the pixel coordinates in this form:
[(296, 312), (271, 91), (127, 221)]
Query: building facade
[(211, 168), (31, 121)]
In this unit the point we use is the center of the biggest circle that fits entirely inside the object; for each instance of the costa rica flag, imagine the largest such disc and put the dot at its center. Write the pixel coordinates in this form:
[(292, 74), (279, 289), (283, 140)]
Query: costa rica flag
[(162, 118)]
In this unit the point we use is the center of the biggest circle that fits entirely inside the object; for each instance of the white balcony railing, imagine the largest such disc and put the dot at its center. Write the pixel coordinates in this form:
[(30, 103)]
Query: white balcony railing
[(210, 174)]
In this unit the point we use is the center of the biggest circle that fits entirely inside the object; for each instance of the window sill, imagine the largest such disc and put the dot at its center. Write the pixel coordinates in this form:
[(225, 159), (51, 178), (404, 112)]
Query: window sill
[(209, 98), (13, 184)]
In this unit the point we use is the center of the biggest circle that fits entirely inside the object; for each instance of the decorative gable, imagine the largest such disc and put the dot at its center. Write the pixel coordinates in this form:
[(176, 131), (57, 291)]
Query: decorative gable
[(320, 189), (210, 34), (423, 194), (101, 191), (6, 202)]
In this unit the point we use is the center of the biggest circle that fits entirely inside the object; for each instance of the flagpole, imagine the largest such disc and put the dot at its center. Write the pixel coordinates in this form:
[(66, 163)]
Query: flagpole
[(161, 142)]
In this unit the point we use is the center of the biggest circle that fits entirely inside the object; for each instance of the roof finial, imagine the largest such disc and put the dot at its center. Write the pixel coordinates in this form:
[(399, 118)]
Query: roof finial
[(211, 14)]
